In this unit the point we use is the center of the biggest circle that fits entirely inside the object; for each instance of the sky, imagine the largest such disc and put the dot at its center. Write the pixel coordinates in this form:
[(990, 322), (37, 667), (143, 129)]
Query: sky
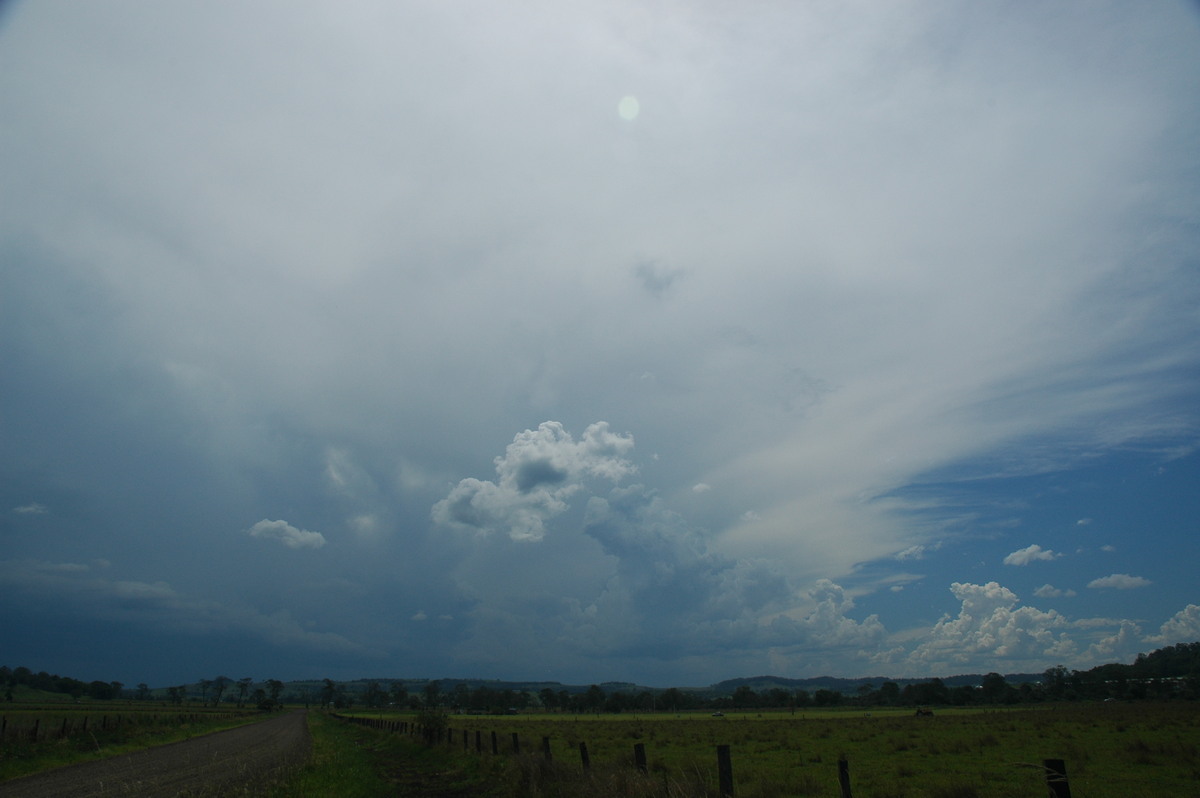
[(663, 342)]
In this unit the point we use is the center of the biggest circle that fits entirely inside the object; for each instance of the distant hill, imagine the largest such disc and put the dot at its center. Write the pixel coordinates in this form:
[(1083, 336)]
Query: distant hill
[(761, 684)]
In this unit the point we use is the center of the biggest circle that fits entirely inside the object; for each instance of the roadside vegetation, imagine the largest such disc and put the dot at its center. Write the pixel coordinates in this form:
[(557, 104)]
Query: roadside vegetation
[(39, 736), (352, 761)]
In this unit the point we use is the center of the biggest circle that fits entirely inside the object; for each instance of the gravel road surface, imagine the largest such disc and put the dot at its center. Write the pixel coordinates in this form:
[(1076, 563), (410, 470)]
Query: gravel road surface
[(229, 762)]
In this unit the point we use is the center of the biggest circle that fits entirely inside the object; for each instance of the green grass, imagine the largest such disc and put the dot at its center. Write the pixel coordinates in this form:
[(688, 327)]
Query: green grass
[(142, 726), (343, 762), (1110, 751), (350, 761)]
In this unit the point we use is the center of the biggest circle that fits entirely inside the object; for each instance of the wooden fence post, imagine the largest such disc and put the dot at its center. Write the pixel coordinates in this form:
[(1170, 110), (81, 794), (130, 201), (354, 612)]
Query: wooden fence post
[(639, 756), (516, 743), (844, 776), (495, 745), (583, 756), (546, 749), (36, 723), (1056, 778), (724, 771), (478, 742)]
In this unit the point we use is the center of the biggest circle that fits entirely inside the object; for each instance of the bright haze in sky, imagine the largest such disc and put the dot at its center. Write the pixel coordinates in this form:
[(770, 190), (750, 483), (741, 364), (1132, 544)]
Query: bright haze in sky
[(664, 342)]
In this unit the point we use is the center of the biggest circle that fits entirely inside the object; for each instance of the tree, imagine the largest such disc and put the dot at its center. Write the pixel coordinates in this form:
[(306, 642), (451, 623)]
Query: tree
[(328, 693), (778, 697), (744, 697), (593, 699), (205, 685), (219, 686), (548, 697), (460, 696), (274, 689), (889, 693), (827, 698), (433, 693), (996, 690), (399, 694), (1055, 682), (243, 686), (143, 691), (671, 699), (374, 695)]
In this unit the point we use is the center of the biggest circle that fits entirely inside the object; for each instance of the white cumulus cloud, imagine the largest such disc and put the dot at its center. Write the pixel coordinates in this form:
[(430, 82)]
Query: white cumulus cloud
[(539, 471), (1119, 582), (1182, 627), (990, 624), (287, 534), (1050, 591), (1029, 554)]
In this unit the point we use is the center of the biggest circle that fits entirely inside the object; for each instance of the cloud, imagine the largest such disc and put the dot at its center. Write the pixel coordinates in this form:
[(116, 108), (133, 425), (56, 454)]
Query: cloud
[(157, 605), (1050, 591), (314, 287), (1183, 627), (1083, 522), (538, 472), (31, 509), (990, 624), (287, 534), (1029, 554), (701, 487), (1119, 582)]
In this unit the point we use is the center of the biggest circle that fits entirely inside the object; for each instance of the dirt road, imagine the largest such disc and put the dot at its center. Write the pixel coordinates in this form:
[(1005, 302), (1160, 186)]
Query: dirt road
[(223, 763)]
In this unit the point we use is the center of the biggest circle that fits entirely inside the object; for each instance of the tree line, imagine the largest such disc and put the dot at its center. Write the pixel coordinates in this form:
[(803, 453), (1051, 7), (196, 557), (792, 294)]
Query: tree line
[(53, 683), (1169, 673)]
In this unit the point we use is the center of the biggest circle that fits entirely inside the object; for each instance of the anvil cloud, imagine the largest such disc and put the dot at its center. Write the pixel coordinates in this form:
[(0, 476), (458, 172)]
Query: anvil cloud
[(662, 342)]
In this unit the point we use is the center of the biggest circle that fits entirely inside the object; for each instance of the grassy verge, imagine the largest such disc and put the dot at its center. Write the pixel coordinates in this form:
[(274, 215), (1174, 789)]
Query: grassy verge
[(22, 758), (354, 762)]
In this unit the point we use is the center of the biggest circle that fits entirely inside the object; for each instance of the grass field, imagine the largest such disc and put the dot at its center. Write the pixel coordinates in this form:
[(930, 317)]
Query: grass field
[(1110, 750)]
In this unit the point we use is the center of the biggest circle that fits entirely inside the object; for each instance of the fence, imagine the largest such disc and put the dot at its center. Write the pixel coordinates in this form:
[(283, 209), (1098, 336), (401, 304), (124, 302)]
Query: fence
[(1055, 769), (42, 727)]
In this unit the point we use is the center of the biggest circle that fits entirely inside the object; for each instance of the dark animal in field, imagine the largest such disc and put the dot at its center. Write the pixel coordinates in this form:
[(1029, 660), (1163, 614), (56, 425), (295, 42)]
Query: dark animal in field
[(924, 713)]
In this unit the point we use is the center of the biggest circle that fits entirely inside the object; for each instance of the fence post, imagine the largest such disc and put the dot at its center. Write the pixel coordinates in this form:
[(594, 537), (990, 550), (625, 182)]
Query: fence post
[(34, 736), (639, 756), (546, 748), (583, 756), (724, 771), (1056, 778), (844, 776), (516, 743), (495, 745)]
